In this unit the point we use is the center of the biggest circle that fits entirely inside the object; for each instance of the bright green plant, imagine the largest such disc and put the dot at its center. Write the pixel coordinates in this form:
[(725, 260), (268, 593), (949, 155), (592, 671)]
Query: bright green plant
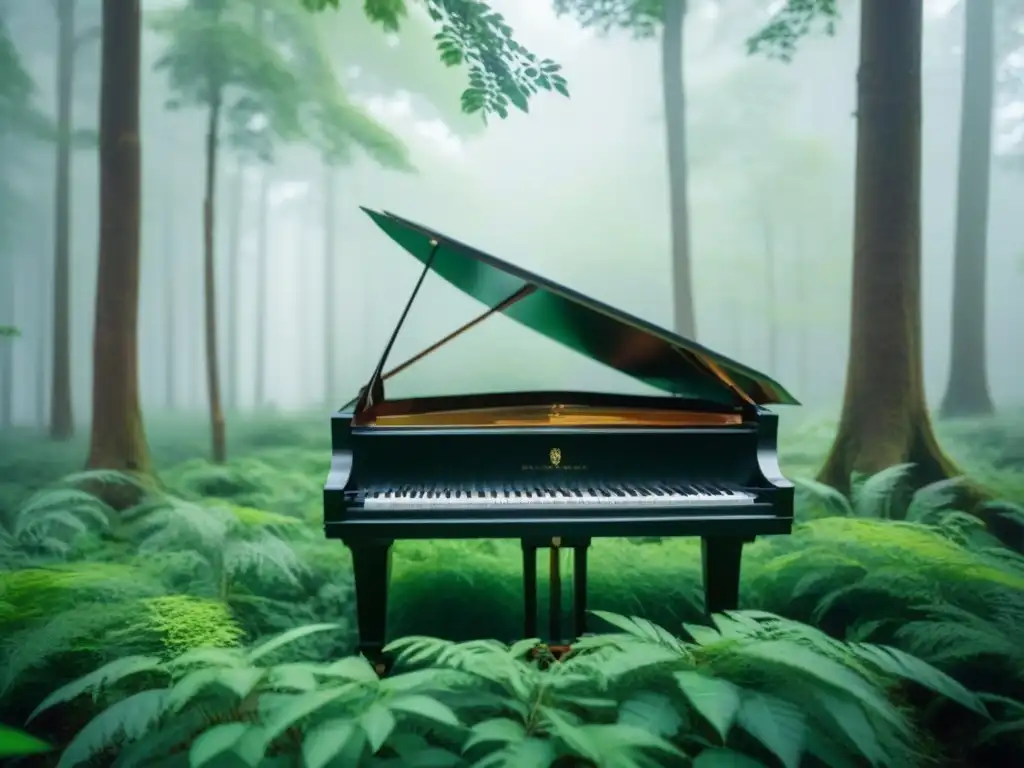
[(753, 685), (15, 743)]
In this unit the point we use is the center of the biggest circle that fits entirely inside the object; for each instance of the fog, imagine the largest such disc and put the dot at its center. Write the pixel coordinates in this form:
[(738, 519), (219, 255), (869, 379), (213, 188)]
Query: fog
[(576, 190)]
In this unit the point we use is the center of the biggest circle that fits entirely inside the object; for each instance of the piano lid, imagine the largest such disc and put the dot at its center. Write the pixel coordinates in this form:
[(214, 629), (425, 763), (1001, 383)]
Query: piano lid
[(633, 346)]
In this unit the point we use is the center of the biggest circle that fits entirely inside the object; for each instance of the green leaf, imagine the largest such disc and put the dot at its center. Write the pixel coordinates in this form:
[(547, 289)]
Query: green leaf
[(499, 729), (126, 720), (326, 741), (716, 700), (355, 668), (425, 707), (876, 495), (780, 726), (302, 705), (95, 681), (834, 501), (377, 723), (653, 712), (15, 743), (213, 743), (286, 638)]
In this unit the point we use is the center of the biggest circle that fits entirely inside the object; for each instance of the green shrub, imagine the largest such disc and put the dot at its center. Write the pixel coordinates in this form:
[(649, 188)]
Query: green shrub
[(755, 685)]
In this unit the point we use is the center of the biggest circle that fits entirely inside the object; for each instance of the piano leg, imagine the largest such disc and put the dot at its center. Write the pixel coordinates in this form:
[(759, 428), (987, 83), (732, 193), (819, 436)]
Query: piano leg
[(529, 588), (721, 556), (371, 564), (579, 588)]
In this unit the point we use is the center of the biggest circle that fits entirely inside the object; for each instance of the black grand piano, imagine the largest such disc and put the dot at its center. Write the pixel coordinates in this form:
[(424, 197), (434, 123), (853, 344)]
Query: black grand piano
[(555, 469)]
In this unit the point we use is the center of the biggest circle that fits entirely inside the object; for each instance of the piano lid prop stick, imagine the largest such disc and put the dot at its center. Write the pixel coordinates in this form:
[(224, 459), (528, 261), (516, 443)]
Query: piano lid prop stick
[(555, 599)]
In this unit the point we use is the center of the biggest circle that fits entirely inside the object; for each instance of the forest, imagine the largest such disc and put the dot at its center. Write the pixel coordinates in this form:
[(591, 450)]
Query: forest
[(826, 190)]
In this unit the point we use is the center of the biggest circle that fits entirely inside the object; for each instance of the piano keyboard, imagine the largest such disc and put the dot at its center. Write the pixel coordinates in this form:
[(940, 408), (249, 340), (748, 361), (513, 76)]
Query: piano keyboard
[(654, 496)]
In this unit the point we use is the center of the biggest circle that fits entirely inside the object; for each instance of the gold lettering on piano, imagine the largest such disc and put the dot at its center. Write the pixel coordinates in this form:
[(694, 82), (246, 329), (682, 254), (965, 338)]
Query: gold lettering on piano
[(555, 456)]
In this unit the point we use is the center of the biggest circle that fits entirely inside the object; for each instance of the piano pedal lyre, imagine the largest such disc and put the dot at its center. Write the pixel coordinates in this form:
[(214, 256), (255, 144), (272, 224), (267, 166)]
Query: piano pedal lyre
[(556, 643)]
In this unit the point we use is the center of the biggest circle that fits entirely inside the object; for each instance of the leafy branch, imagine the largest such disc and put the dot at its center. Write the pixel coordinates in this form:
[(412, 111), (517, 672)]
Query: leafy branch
[(501, 70)]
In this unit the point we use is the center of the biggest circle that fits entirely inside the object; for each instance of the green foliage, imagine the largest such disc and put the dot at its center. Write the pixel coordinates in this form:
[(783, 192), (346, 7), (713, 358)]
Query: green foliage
[(791, 23), (643, 18), (501, 70), (755, 683), (9, 331), (215, 57), (15, 743)]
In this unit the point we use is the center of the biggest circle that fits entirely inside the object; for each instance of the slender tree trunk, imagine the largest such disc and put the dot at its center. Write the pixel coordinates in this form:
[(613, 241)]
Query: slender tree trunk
[(118, 435), (62, 422), (330, 277), (9, 301), (771, 289), (803, 318), (235, 278), (262, 245), (44, 276), (967, 391), (219, 442), (674, 95), (170, 311), (884, 419)]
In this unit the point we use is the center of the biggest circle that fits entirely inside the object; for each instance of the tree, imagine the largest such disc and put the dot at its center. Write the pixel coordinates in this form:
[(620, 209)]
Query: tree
[(884, 419), (216, 61), (337, 128), (62, 423), (643, 18), (118, 439)]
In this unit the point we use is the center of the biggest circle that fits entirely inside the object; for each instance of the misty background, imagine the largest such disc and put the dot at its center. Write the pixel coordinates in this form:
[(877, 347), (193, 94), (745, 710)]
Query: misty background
[(577, 190)]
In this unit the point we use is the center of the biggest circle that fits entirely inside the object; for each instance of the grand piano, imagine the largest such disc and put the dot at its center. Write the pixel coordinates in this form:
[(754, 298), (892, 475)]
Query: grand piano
[(555, 469)]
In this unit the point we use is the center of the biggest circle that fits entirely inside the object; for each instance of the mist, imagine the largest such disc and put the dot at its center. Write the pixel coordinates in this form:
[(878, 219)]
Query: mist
[(576, 191)]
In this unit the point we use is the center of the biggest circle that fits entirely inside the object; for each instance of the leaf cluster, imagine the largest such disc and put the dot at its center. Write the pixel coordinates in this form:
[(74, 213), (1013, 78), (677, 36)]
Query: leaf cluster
[(752, 689), (791, 23), (501, 70), (643, 18)]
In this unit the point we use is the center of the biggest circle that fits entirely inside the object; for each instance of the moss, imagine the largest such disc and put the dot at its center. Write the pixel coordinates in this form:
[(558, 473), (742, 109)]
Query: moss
[(185, 622)]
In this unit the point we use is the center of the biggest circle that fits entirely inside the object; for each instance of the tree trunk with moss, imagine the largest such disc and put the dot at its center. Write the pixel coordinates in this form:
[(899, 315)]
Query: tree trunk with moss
[(118, 438), (967, 391), (885, 418)]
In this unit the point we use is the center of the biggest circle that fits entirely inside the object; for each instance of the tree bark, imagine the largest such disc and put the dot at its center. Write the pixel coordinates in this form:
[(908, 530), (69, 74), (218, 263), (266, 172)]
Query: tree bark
[(118, 438), (261, 291), (217, 427), (967, 392), (62, 422), (674, 97), (45, 308), (771, 289), (330, 297), (170, 309), (9, 298), (234, 277), (884, 418)]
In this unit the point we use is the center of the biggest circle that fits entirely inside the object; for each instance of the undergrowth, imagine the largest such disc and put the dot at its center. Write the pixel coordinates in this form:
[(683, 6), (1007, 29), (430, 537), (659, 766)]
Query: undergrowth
[(227, 557)]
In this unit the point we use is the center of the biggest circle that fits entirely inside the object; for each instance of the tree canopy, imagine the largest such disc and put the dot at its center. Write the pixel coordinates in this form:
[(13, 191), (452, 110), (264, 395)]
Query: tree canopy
[(501, 70)]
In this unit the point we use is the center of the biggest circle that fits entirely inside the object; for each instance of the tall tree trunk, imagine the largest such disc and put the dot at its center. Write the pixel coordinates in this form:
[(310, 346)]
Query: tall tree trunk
[(235, 279), (9, 300), (803, 317), (674, 96), (170, 311), (967, 391), (62, 422), (45, 307), (330, 299), (884, 419), (771, 289), (118, 435), (219, 442), (261, 291)]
